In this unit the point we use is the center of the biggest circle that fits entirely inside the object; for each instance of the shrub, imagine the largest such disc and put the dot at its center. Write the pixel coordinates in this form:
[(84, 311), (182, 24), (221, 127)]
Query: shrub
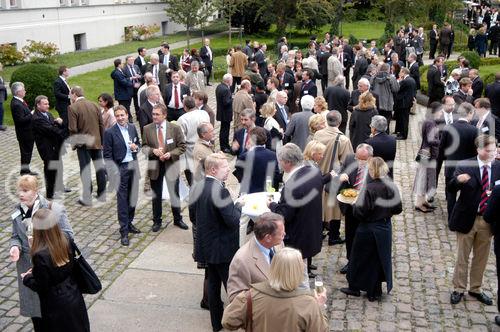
[(473, 57), (38, 79), (40, 52), (10, 56)]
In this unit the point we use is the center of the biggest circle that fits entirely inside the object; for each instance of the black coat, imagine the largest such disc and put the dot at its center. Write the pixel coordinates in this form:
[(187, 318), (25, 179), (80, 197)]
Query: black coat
[(359, 126), (224, 100), (309, 88), (323, 63), (490, 126), (492, 92), (288, 82), (435, 89), (360, 67), (415, 74), (61, 92), (460, 97), (173, 63), (384, 146), (253, 167), (492, 214), (354, 101), (61, 302), (205, 56), (21, 115), (406, 93), (217, 224), (303, 224), (145, 114), (279, 117), (465, 211), (338, 98), (48, 135), (477, 87)]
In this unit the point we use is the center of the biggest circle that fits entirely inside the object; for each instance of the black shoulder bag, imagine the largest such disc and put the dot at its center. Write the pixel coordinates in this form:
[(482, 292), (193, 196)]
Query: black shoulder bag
[(332, 162), (84, 275)]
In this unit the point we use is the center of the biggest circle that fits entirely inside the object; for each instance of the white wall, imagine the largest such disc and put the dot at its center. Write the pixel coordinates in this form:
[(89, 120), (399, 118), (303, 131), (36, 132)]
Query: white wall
[(102, 24)]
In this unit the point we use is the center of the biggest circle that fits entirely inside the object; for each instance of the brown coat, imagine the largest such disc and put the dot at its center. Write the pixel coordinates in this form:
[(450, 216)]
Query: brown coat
[(249, 266), (200, 152), (176, 148), (327, 136), (241, 101), (238, 63), (276, 311), (85, 124)]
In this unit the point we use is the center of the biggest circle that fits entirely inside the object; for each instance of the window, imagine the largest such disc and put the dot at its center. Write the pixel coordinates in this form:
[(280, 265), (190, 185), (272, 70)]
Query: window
[(63, 2), (164, 26), (74, 2), (13, 3), (84, 2), (80, 41)]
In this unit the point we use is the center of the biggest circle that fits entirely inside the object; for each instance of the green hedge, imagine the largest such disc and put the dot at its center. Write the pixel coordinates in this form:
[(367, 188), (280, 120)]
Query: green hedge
[(38, 80)]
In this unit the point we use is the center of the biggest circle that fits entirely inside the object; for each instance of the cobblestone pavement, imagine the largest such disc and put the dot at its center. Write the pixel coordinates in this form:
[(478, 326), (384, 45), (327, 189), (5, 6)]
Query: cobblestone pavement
[(424, 253)]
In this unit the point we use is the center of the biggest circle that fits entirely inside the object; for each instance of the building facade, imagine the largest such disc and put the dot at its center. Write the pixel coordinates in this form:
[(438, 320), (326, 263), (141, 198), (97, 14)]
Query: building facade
[(78, 24)]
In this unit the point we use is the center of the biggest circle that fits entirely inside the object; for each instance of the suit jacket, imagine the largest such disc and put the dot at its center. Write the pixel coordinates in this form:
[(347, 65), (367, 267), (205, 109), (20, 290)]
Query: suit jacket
[(436, 86), (129, 73), (490, 126), (173, 63), (205, 56), (85, 122), (466, 208), (415, 74), (303, 217), (241, 101), (433, 37), (123, 86), (477, 87), (360, 67), (297, 130), (492, 92), (309, 88), (238, 63), (145, 114), (461, 97), (279, 117), (48, 135), (239, 135), (466, 134), (384, 146), (249, 266), (21, 115), (217, 224), (407, 91), (115, 147), (138, 63), (61, 92), (354, 101), (492, 214), (253, 167), (338, 98), (224, 99), (162, 74), (323, 63), (167, 95), (175, 143), (287, 85)]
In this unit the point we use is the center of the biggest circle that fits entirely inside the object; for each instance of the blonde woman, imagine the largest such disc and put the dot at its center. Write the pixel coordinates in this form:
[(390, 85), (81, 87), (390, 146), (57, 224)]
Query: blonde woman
[(267, 111), (471, 40), (304, 309), (182, 76), (452, 84), (314, 152), (316, 122), (361, 117), (320, 106)]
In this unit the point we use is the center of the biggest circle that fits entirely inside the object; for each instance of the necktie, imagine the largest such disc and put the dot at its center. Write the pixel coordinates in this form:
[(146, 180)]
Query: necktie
[(25, 103), (485, 184), (132, 70), (161, 139), (283, 113), (46, 115), (271, 255), (247, 138), (359, 177), (155, 73), (176, 97)]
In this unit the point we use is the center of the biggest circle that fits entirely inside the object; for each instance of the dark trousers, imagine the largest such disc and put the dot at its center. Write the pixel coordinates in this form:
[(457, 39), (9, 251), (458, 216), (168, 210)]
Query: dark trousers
[(493, 49), (173, 192), (126, 104), (444, 49), (324, 82), (496, 248), (26, 144), (388, 116), (38, 324), (347, 72), (451, 196), (84, 157), (217, 275), (1, 113), (432, 51), (127, 194), (174, 114), (334, 229), (225, 126), (402, 116), (135, 98), (53, 174), (236, 81), (351, 225), (209, 70)]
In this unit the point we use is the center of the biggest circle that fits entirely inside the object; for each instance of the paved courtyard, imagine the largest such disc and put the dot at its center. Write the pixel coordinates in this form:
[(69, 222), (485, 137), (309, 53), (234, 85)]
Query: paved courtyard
[(154, 285)]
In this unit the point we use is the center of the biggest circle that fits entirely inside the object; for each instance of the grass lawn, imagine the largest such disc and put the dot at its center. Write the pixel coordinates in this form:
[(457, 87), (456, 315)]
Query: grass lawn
[(486, 70)]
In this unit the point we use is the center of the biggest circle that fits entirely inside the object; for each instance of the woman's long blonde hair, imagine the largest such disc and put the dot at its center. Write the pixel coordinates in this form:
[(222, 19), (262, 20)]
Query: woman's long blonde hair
[(287, 270), (48, 235)]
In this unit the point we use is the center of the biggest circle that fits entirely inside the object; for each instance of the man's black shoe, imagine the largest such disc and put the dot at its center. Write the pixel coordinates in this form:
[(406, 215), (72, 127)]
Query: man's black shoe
[(335, 241), (156, 227), (226, 150), (124, 241), (204, 305), (181, 224), (351, 292), (83, 203), (3, 128), (67, 190), (133, 229), (400, 138), (312, 275), (344, 269), (456, 297), (497, 320), (374, 298), (313, 267), (481, 297)]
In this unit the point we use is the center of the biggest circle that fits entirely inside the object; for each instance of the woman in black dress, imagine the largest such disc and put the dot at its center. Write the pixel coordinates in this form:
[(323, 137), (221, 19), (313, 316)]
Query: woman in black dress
[(370, 263), (361, 117), (61, 301)]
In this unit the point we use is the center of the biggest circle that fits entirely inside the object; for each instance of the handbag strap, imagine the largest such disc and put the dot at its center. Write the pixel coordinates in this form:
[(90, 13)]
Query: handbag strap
[(335, 146), (249, 311), (75, 248)]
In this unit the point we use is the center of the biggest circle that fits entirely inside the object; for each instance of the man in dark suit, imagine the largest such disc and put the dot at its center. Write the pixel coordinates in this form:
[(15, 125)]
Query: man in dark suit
[(168, 60), (286, 79), (174, 94), (347, 61), (363, 86), (403, 102), (435, 89), (383, 144), (49, 134), (492, 92), (158, 70), (241, 137), (207, 56), (484, 120), (303, 224), (224, 100), (337, 97), (21, 115), (308, 86), (456, 144), (61, 92), (474, 178), (433, 41), (445, 40), (414, 69), (140, 61), (121, 144), (145, 117), (282, 115), (323, 65), (133, 73), (217, 224), (164, 143), (85, 124), (477, 84), (123, 87), (360, 67), (254, 167), (464, 94)]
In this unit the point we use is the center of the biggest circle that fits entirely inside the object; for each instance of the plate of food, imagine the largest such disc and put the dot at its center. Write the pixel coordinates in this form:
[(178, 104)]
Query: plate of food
[(255, 204), (348, 196)]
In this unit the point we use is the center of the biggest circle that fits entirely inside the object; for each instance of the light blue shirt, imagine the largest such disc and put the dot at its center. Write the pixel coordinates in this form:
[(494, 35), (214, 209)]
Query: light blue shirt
[(126, 138), (263, 250)]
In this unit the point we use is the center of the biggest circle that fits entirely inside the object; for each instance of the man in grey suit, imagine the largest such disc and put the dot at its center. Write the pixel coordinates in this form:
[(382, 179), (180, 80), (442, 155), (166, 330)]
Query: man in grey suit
[(297, 129)]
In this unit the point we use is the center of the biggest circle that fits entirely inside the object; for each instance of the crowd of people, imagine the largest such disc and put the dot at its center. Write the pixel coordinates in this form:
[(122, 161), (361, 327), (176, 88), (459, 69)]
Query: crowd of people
[(296, 128)]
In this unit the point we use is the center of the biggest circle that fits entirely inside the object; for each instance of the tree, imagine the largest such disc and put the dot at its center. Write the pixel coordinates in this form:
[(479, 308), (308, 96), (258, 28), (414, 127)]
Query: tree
[(189, 14), (280, 12), (313, 14), (228, 8)]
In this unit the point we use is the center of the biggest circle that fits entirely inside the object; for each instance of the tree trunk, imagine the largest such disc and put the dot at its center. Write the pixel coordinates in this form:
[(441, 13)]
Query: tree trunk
[(229, 26), (188, 37)]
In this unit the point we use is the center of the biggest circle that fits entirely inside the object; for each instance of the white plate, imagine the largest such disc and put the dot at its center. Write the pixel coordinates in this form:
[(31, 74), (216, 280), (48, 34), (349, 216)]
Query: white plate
[(346, 200), (256, 203)]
